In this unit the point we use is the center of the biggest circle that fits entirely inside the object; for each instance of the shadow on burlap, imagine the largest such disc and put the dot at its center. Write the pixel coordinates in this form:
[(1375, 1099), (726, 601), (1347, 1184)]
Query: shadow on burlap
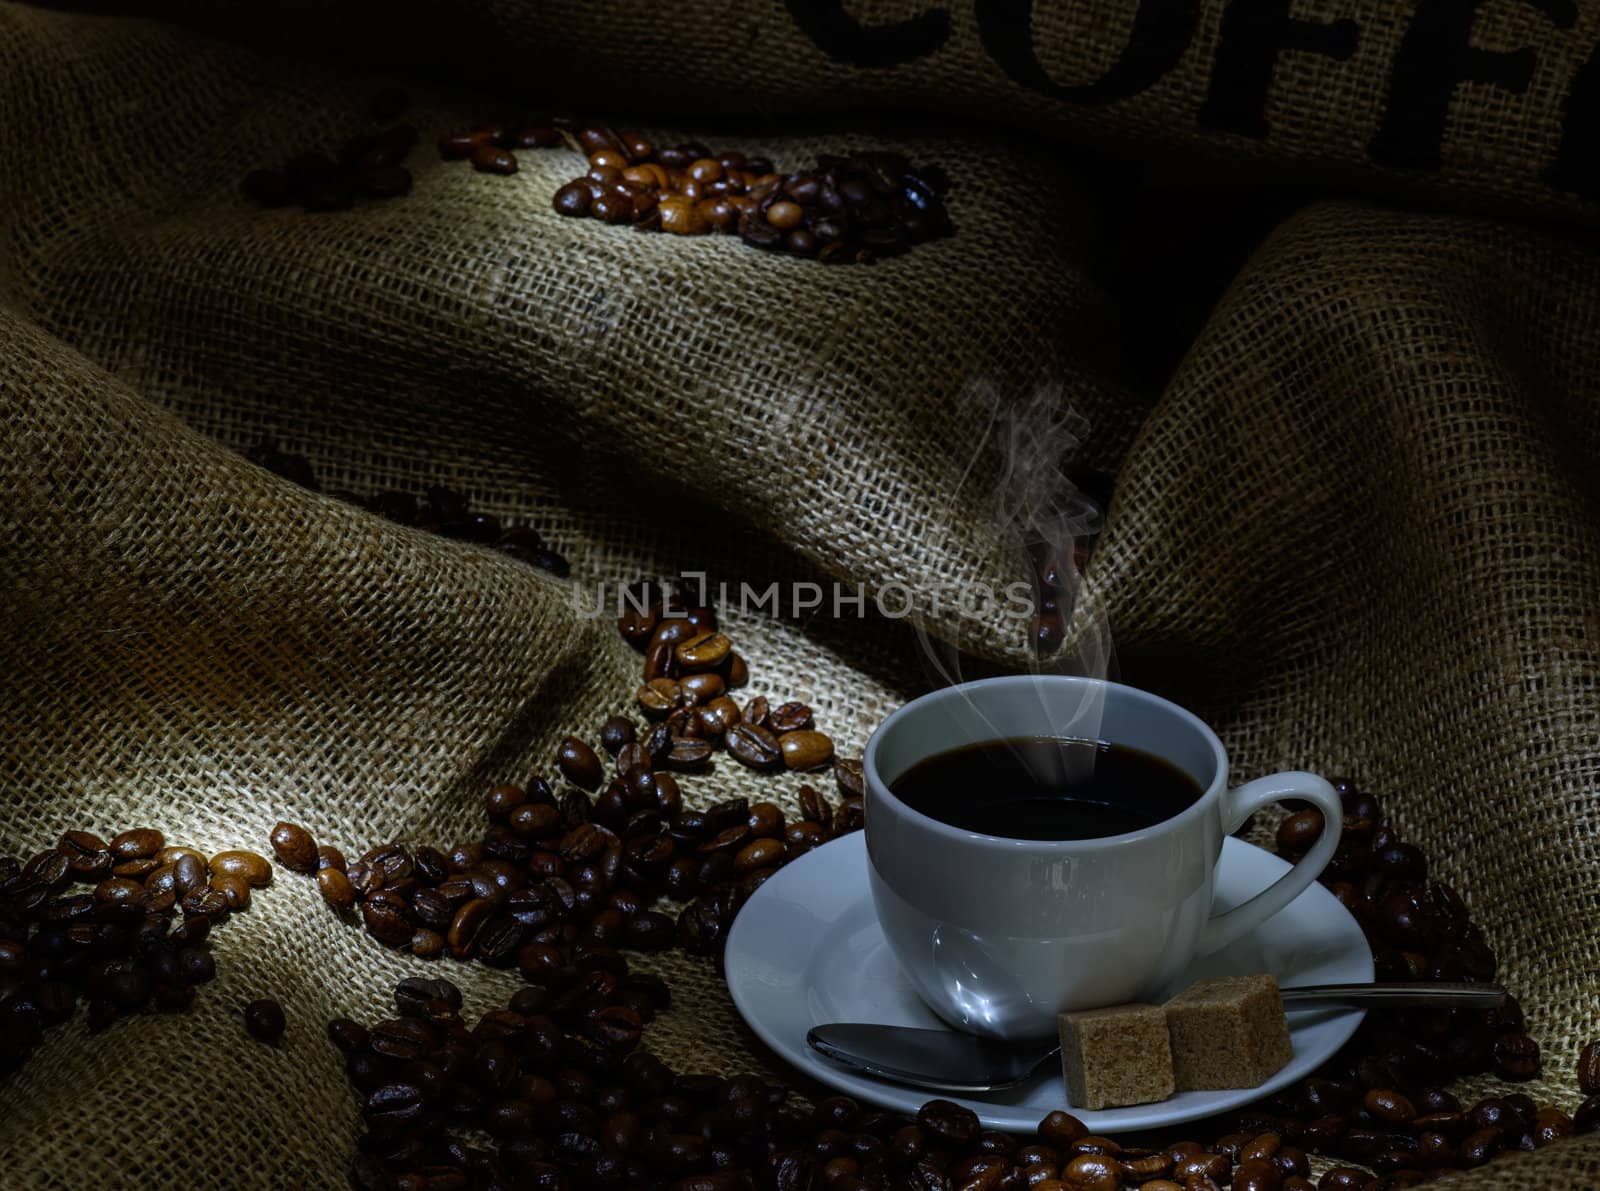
[(1356, 532)]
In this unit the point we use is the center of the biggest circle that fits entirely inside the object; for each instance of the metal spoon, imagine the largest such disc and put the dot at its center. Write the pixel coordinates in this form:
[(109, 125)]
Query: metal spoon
[(952, 1061)]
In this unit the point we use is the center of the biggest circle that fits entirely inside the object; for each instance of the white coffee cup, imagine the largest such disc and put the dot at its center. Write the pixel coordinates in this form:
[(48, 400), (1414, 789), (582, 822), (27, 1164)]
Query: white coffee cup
[(1000, 935)]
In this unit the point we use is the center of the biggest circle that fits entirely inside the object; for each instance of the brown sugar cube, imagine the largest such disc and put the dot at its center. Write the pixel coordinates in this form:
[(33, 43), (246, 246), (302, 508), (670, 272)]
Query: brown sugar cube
[(1119, 1055), (1228, 1033)]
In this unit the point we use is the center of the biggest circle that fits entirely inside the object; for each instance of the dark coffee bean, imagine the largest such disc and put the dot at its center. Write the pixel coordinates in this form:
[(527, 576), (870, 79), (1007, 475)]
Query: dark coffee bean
[(1345, 1178), (1589, 1068), (578, 763), (1587, 1117), (1479, 1147), (849, 777), (386, 921), (467, 924), (193, 964), (615, 733), (754, 746), (790, 717), (264, 1020), (1299, 831), (949, 1122), (294, 847), (1389, 1106), (87, 855), (688, 753), (395, 1106), (491, 159), (1516, 1056)]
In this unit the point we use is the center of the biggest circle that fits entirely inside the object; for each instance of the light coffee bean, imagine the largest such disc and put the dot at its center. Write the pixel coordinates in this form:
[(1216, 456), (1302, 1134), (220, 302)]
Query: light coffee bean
[(805, 749), (249, 866)]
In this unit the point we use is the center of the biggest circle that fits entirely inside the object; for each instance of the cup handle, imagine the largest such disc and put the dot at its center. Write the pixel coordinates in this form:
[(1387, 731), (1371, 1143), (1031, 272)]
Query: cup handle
[(1237, 806)]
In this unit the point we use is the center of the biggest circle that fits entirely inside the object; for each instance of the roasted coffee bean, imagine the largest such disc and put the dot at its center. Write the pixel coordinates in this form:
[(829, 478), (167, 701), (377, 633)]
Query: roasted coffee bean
[(578, 763), (466, 926), (502, 800), (688, 753), (246, 865), (1587, 1116), (141, 843), (1390, 1106), (1479, 1147), (1589, 1068), (615, 733), (805, 749), (234, 889), (336, 889), (717, 717), (1257, 1174), (659, 697), (1345, 1178), (87, 855), (949, 1122), (573, 199), (706, 651), (491, 159), (386, 921), (1516, 1056), (848, 776), (1299, 831), (264, 1020), (294, 847), (754, 746), (701, 688), (790, 717), (756, 712), (330, 857)]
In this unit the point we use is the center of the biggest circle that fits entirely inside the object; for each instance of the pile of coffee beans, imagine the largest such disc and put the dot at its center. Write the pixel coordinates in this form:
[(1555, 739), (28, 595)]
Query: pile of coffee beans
[(92, 920), (563, 884), (489, 144), (851, 209), (441, 510), (689, 668), (369, 164), (557, 875)]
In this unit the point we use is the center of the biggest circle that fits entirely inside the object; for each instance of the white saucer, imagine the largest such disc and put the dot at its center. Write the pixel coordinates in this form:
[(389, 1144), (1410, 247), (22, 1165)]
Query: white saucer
[(806, 950)]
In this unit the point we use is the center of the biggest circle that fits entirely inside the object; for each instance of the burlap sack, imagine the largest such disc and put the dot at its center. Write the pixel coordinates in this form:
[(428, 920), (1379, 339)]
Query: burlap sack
[(1356, 533), (1489, 103)]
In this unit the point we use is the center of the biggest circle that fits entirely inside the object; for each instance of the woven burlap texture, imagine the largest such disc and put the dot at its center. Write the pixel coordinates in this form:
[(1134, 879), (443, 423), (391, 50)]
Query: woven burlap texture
[(1356, 533), (1490, 103)]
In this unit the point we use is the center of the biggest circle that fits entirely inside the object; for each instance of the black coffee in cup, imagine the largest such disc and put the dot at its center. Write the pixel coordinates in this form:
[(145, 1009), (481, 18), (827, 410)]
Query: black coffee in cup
[(1045, 788)]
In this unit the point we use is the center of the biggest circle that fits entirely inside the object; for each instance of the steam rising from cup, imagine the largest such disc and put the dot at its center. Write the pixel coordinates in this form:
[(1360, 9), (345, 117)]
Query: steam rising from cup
[(1042, 521)]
